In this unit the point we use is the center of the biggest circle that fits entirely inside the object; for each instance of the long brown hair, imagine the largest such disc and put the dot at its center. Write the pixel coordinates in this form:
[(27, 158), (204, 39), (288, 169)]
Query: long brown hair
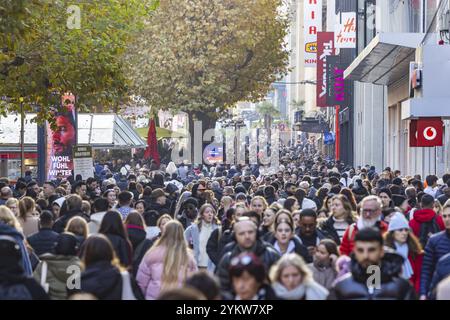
[(26, 204), (203, 208), (98, 248), (414, 246), (349, 214), (350, 196), (176, 258)]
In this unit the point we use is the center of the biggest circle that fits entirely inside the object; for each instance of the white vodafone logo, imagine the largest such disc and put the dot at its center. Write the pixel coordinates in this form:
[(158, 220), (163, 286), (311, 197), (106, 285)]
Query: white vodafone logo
[(430, 133)]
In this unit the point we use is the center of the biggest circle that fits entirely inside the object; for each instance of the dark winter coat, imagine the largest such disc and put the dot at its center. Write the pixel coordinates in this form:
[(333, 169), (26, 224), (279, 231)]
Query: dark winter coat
[(263, 250), (61, 223), (438, 246), (328, 230), (300, 249), (140, 245), (15, 285), (122, 248), (104, 281), (43, 241), (442, 271), (216, 243), (353, 286)]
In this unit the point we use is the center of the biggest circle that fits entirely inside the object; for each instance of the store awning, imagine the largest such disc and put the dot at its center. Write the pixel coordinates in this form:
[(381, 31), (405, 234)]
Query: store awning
[(101, 131), (160, 133), (386, 59)]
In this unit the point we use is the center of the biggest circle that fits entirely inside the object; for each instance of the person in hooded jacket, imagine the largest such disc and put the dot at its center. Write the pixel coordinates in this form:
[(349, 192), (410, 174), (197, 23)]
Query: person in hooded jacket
[(113, 228), (137, 234), (425, 215), (52, 270), (103, 276), (15, 284)]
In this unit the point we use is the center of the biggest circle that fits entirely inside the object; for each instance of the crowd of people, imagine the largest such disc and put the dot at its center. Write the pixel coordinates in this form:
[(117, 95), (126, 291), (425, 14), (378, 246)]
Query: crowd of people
[(315, 229)]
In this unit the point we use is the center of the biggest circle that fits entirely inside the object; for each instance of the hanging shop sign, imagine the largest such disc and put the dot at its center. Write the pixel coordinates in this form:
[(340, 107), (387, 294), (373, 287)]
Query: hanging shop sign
[(312, 25), (325, 48)]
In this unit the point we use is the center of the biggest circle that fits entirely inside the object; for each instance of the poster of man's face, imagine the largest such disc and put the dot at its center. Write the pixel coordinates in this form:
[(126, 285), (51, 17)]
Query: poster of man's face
[(64, 136)]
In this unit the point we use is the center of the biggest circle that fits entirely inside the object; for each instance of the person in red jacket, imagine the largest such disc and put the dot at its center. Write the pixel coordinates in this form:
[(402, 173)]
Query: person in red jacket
[(370, 218), (424, 215), (400, 238)]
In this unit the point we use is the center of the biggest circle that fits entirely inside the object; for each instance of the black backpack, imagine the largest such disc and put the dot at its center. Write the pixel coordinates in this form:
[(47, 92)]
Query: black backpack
[(427, 229)]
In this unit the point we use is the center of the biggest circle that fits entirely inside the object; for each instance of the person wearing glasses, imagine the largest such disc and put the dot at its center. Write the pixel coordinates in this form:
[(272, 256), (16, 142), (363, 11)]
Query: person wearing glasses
[(248, 278), (370, 218), (400, 238)]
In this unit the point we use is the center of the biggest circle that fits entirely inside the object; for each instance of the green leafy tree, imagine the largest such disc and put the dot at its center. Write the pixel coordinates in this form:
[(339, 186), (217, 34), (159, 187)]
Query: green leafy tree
[(204, 56), (44, 53)]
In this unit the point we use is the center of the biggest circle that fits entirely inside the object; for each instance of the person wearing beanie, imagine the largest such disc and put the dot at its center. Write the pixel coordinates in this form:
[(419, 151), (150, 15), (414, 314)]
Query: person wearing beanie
[(400, 238), (51, 272), (14, 283)]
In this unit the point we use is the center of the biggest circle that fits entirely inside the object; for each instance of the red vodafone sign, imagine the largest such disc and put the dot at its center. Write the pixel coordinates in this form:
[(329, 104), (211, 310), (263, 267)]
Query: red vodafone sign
[(429, 132)]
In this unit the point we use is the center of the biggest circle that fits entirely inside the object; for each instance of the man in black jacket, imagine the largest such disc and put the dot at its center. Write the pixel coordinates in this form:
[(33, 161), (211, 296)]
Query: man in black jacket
[(73, 203), (246, 241), (45, 239), (375, 274)]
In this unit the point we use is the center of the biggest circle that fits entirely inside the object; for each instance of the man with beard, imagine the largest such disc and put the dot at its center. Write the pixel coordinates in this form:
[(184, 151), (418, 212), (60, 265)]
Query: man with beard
[(370, 218), (375, 272)]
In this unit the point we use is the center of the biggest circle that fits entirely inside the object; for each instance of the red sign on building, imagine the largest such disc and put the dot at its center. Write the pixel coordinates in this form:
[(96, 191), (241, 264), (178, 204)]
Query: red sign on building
[(426, 132), (325, 48)]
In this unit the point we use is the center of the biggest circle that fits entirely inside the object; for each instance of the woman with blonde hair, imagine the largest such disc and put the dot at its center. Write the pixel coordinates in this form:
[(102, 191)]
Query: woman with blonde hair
[(10, 226), (79, 227), (259, 205), (292, 280), (167, 264), (342, 216), (27, 218), (198, 233), (13, 204)]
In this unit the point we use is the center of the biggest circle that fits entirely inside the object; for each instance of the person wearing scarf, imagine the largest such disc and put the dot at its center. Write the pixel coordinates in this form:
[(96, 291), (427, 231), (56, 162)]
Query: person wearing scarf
[(400, 238)]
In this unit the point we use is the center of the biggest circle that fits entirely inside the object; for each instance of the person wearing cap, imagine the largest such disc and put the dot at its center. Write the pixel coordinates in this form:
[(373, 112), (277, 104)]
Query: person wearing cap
[(400, 238), (158, 201), (15, 284), (52, 273)]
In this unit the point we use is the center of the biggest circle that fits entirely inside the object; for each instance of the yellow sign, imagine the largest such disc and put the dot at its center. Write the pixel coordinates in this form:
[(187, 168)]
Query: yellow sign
[(311, 47)]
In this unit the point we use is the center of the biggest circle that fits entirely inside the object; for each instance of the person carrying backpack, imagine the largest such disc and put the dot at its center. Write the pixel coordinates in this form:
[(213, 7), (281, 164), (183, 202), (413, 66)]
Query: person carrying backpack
[(425, 221)]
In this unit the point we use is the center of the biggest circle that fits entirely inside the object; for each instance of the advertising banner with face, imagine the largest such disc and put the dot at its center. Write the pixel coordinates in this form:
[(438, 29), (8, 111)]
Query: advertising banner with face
[(60, 142)]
